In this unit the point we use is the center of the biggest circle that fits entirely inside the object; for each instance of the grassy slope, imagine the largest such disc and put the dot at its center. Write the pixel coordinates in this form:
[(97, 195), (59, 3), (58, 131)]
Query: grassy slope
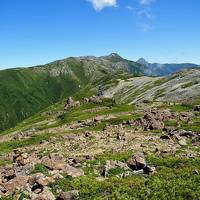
[(27, 91)]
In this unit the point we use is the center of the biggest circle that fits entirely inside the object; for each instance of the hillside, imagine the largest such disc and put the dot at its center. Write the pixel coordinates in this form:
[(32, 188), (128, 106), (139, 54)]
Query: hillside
[(100, 149), (25, 91), (179, 87)]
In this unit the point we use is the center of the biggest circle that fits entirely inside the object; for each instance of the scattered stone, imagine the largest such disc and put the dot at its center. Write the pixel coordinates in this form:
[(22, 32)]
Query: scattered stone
[(17, 182), (185, 116), (46, 194), (197, 108), (182, 142), (149, 170), (70, 195), (151, 121), (7, 173), (137, 161), (21, 170), (164, 137), (98, 118), (70, 103), (21, 157), (95, 99), (73, 172), (54, 162)]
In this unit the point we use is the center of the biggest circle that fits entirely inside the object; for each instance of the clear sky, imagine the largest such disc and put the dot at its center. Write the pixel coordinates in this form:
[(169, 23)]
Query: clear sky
[(39, 31)]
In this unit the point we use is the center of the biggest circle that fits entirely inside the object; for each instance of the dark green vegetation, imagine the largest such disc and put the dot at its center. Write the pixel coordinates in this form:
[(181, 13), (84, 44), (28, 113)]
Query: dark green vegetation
[(176, 178), (27, 91)]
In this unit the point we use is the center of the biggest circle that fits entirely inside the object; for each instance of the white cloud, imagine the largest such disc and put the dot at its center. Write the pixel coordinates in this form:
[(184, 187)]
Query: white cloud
[(145, 27), (145, 12), (145, 2), (101, 4), (129, 8)]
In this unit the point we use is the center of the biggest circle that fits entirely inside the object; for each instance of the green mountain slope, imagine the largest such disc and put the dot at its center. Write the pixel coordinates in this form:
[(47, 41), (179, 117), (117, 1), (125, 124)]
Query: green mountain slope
[(25, 91)]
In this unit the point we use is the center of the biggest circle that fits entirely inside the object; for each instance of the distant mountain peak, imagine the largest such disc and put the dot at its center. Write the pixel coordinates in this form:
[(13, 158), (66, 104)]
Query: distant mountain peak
[(114, 55), (143, 61)]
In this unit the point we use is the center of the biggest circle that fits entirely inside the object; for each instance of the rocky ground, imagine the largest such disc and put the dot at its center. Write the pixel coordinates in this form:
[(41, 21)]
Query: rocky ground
[(97, 149)]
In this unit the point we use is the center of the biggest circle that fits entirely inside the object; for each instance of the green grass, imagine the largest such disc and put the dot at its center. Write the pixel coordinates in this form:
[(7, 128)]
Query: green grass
[(14, 144), (171, 122), (194, 126), (115, 171), (178, 107), (5, 162), (40, 168)]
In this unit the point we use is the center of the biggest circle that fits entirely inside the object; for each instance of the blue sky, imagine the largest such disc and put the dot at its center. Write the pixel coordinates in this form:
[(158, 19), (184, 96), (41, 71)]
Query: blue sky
[(39, 31)]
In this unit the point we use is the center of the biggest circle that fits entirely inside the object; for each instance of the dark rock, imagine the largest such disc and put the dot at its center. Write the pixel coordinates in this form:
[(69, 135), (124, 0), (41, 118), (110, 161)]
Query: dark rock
[(149, 170), (164, 137), (137, 161), (197, 108)]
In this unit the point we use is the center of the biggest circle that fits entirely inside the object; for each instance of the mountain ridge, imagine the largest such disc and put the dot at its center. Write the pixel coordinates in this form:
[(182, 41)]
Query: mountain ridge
[(25, 91), (158, 69)]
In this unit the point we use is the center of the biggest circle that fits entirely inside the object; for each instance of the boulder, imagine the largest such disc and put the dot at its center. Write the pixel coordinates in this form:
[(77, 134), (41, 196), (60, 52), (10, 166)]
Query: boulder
[(151, 121), (22, 170), (7, 173), (70, 195), (73, 172), (46, 194), (70, 103), (137, 161), (149, 170), (98, 118), (21, 157), (17, 182), (197, 108), (182, 142), (54, 162)]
